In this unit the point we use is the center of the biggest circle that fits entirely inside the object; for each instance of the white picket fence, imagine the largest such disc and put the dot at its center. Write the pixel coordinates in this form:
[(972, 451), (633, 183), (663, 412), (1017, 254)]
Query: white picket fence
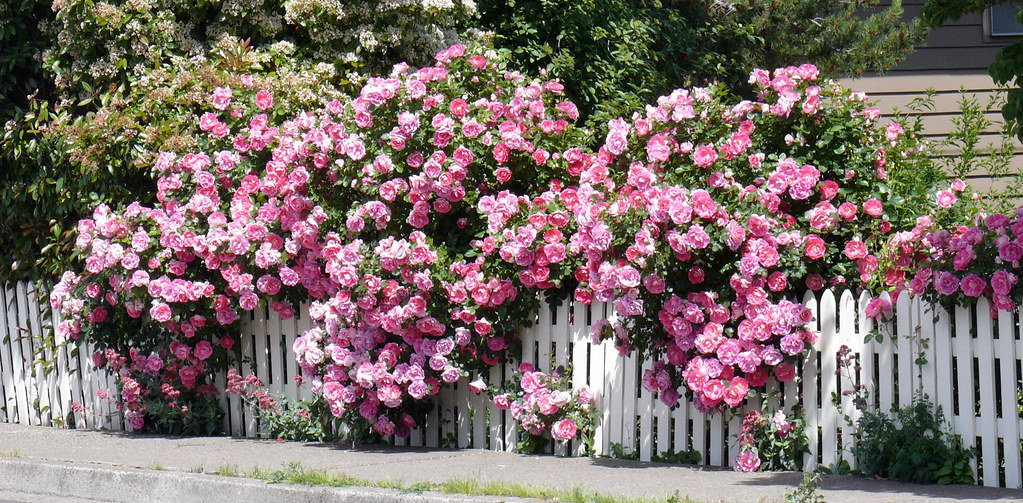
[(973, 372)]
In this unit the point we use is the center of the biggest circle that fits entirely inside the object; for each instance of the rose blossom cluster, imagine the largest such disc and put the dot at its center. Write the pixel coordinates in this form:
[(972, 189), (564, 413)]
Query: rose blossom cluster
[(700, 273), (427, 160), (960, 263), (764, 443), (543, 405), (425, 216), (174, 279)]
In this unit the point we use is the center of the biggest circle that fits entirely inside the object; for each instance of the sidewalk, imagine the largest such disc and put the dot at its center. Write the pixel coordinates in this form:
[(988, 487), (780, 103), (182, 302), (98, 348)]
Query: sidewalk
[(78, 465)]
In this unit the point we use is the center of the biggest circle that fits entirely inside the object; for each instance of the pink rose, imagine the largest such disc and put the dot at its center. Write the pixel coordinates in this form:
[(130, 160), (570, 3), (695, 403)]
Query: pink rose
[(203, 350), (873, 207), (564, 429), (746, 462), (785, 372), (847, 211), (814, 247), (973, 285), (264, 99), (946, 283), (222, 97), (855, 249), (946, 198), (879, 309), (705, 155), (1002, 282), (502, 402), (161, 312)]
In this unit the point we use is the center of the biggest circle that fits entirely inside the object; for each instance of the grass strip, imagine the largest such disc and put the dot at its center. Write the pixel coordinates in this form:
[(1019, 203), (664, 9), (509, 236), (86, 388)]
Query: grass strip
[(295, 473)]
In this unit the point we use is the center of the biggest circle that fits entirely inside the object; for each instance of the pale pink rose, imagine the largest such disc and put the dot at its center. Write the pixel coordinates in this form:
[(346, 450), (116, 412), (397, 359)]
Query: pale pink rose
[(477, 385), (892, 130), (746, 462), (531, 381), (222, 97), (946, 198), (705, 155), (873, 207), (564, 429), (973, 285), (264, 99), (161, 312)]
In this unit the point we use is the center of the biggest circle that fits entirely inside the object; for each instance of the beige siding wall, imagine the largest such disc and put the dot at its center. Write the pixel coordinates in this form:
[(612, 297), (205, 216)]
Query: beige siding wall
[(896, 91)]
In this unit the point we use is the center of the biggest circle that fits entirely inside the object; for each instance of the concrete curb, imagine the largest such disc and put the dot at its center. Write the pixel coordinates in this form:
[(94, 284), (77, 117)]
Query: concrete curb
[(98, 483)]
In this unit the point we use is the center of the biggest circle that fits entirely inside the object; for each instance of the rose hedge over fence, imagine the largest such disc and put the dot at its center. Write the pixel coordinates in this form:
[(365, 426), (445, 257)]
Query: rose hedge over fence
[(426, 216)]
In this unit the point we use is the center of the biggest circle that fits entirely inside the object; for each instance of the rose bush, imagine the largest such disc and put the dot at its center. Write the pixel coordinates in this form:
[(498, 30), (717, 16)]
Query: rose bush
[(167, 283), (426, 216), (771, 443), (948, 261), (699, 218), (547, 408)]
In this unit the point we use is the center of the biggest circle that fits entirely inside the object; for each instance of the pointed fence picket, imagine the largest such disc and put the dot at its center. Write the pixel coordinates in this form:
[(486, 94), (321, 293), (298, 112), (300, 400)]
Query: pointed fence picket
[(972, 372)]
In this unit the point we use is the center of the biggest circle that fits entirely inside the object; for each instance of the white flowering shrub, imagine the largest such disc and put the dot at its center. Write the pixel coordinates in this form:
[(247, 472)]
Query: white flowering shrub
[(106, 41)]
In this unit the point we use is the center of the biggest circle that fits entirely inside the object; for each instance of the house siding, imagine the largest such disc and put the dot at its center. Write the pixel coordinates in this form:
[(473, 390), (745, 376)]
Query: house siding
[(953, 63)]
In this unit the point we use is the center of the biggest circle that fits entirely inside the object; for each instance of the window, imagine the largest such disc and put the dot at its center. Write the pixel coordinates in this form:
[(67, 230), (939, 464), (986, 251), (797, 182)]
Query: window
[(1003, 20)]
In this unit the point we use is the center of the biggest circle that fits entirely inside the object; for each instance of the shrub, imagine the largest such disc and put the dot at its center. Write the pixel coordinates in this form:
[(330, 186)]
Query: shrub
[(547, 409), (911, 444), (948, 262), (712, 214), (771, 442), (426, 216), (108, 42)]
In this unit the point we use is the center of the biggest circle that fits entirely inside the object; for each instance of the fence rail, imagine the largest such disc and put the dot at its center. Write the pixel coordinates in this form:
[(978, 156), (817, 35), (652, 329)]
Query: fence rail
[(972, 371)]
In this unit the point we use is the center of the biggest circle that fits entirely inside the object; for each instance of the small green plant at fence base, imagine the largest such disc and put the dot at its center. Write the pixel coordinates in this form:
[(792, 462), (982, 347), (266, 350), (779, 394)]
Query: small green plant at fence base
[(913, 443), (619, 451), (807, 491), (772, 441), (687, 457)]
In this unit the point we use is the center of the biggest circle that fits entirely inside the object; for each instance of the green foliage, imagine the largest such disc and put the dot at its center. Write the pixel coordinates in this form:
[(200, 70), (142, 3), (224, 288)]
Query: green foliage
[(911, 444), (614, 56), (849, 37), (687, 457), (22, 41), (301, 420), (806, 491), (202, 417), (995, 159), (779, 441), (43, 194)]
